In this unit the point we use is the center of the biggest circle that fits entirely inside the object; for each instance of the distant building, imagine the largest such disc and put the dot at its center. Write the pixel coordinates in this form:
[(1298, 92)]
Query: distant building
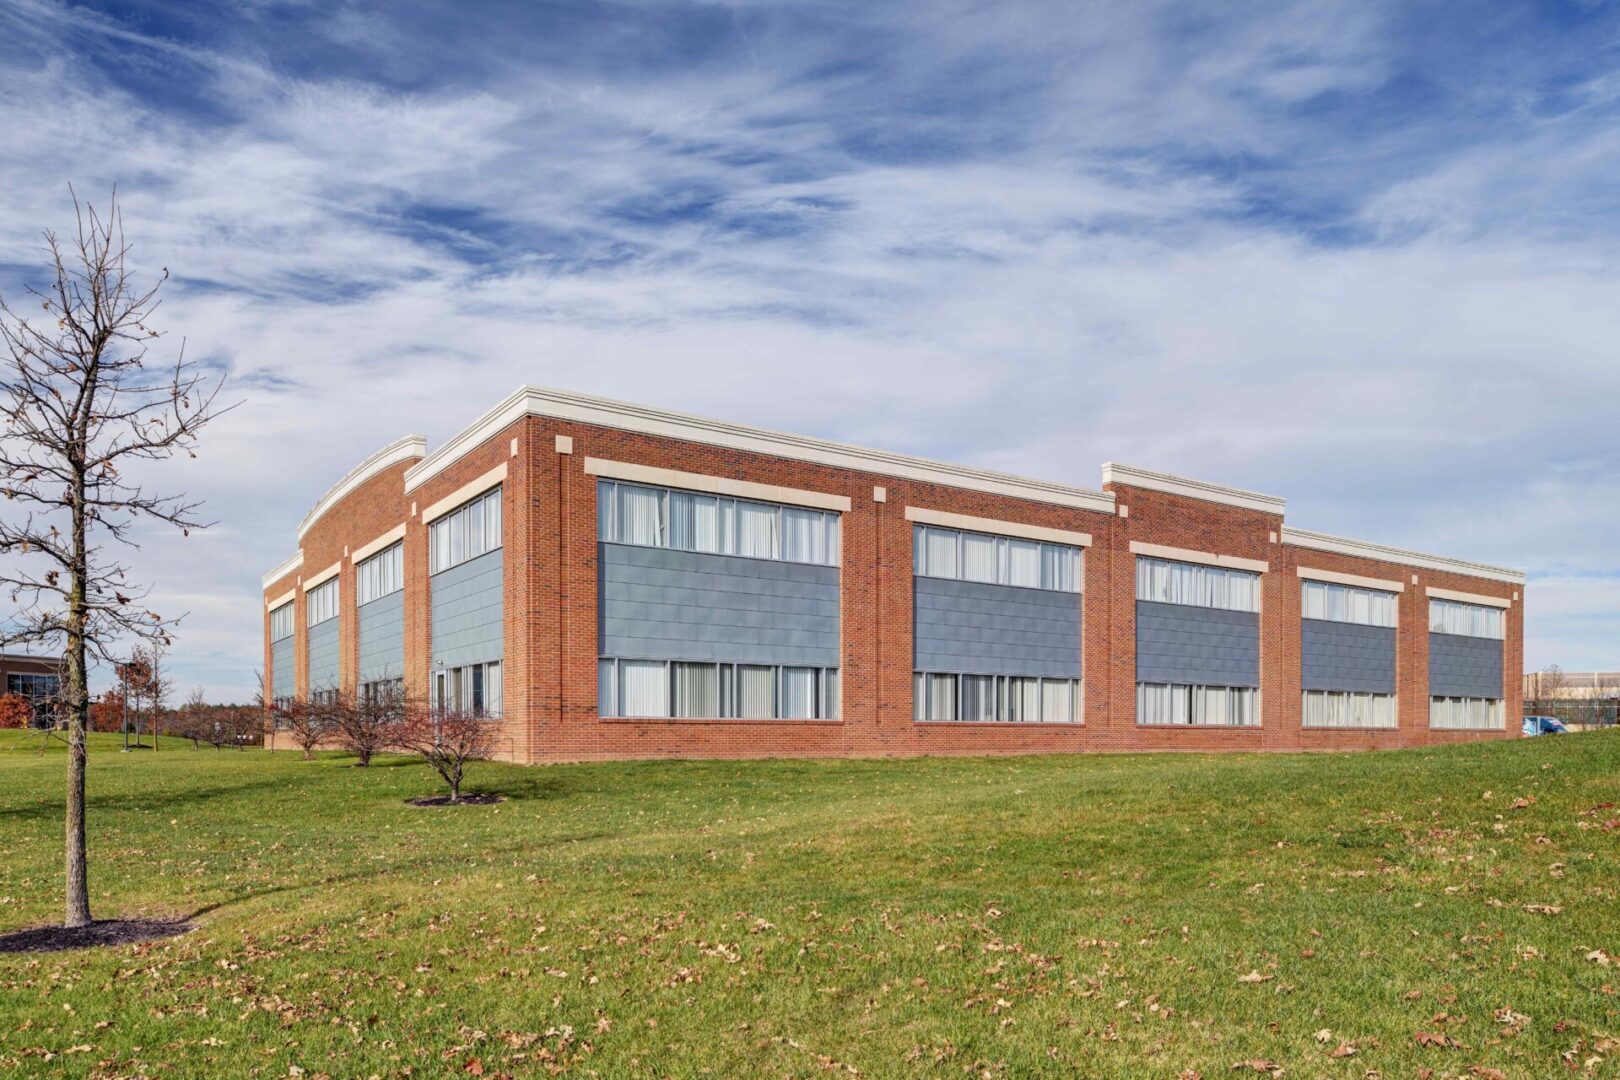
[(1587, 698), (37, 678)]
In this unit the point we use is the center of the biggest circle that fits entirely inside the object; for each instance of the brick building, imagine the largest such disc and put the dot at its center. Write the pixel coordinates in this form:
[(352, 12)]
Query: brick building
[(37, 678), (618, 581)]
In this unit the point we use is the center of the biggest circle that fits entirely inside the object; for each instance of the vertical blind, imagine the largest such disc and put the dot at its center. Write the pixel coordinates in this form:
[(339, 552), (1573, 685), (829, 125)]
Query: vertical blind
[(281, 622), (321, 602), (1347, 603), (1166, 582), (1470, 620), (380, 575), (702, 690), (689, 521), (1174, 703), (465, 533), (1465, 714), (996, 560), (1347, 709)]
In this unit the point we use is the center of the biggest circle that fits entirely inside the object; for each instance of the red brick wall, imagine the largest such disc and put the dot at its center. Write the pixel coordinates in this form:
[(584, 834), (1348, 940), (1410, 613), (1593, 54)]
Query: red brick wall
[(550, 556)]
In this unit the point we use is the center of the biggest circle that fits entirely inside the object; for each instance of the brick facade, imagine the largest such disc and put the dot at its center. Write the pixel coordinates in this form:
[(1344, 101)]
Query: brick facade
[(550, 592)]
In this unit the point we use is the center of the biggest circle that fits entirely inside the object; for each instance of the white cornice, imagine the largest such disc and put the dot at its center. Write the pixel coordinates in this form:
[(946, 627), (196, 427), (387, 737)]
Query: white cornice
[(1366, 550), (562, 405), (411, 446), (924, 516), (1115, 473), (284, 569), (1205, 558)]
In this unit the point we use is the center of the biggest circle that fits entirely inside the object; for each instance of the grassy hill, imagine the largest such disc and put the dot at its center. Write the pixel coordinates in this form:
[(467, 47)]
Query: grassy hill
[(1450, 909)]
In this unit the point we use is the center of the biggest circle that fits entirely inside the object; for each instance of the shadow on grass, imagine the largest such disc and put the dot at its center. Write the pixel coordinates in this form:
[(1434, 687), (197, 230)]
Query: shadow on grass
[(99, 933)]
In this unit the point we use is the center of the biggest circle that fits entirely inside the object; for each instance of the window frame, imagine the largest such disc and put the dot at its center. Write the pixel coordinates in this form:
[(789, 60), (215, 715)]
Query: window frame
[(1194, 695), (450, 534), (825, 690), (1049, 558), (728, 523), (373, 572), (316, 601), (926, 688)]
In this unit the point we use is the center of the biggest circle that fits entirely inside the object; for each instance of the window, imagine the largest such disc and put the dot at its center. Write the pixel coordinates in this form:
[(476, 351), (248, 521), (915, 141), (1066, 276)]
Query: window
[(33, 686), (702, 690), (1173, 703), (472, 688), (690, 521), (466, 533), (1006, 699), (323, 697), (1469, 620), (1347, 709), (1347, 603), (996, 560), (382, 689), (321, 602), (1465, 714), (380, 575), (281, 622), (1165, 582)]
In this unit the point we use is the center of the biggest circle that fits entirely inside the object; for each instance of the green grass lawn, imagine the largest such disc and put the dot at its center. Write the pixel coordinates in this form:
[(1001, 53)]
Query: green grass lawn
[(1102, 916)]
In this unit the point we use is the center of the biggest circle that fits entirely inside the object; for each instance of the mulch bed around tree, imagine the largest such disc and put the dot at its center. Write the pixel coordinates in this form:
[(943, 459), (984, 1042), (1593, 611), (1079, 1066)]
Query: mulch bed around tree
[(97, 934), (476, 799)]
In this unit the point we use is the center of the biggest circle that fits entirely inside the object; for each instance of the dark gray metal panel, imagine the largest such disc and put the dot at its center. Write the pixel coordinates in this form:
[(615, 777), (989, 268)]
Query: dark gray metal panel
[(1179, 643), (468, 610), (284, 675), (323, 655), (658, 604), (971, 626), (1462, 666), (1347, 656), (382, 638)]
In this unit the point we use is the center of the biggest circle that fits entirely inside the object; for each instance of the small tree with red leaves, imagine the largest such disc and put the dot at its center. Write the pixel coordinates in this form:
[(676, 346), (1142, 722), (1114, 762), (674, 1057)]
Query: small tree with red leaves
[(16, 712)]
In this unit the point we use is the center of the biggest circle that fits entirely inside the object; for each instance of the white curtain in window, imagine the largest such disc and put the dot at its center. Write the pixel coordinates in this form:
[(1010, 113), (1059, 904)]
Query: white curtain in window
[(1023, 699), (804, 536), (606, 496), (705, 524), (1167, 582), (697, 690), (941, 547), (1471, 620), (493, 702), (640, 520), (1057, 701), (1023, 564), (756, 530), (829, 693), (978, 697), (756, 692), (798, 693), (979, 557), (643, 688), (919, 696), (606, 699), (942, 697), (1060, 568), (681, 525)]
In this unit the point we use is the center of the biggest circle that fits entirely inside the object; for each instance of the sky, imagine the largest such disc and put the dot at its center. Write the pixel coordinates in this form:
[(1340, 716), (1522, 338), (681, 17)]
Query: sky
[(1362, 255)]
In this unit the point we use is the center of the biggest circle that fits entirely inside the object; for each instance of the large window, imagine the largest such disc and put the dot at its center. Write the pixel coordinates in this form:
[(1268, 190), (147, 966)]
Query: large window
[(465, 533), (321, 602), (1465, 714), (997, 560), (1219, 706), (474, 689), (688, 521), (1165, 582), (705, 691), (1470, 620), (1347, 709), (35, 687), (996, 698), (1347, 603), (378, 690), (380, 575), (281, 622)]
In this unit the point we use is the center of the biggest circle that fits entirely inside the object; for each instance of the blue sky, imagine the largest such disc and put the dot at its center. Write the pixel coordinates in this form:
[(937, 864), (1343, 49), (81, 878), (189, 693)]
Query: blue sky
[(1361, 255)]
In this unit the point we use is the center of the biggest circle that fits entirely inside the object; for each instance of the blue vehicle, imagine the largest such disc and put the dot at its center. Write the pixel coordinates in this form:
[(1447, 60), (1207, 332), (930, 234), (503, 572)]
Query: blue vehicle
[(1544, 725)]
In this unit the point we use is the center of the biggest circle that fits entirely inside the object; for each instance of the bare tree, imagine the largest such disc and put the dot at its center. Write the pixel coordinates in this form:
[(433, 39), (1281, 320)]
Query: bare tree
[(191, 720), (447, 739), (303, 721), (85, 412), (370, 723)]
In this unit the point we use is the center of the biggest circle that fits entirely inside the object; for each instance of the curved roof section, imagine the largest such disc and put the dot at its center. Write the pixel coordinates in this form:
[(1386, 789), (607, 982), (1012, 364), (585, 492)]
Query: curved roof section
[(404, 449)]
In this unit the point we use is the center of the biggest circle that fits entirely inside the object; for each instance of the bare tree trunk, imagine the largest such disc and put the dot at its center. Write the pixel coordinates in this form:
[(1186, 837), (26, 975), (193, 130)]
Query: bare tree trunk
[(77, 911)]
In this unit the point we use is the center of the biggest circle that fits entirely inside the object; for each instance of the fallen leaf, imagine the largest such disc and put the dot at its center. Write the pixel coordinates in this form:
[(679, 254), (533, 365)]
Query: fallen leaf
[(1255, 977)]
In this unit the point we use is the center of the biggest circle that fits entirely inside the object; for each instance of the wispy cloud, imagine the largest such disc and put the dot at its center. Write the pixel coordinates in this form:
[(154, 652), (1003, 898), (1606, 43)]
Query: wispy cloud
[(1349, 252)]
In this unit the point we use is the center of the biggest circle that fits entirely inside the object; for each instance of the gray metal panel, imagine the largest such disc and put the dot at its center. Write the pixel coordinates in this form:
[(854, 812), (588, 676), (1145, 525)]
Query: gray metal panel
[(467, 605), (971, 626), (658, 604), (382, 638), (1179, 643), (323, 655), (284, 676), (1347, 656), (1462, 666)]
